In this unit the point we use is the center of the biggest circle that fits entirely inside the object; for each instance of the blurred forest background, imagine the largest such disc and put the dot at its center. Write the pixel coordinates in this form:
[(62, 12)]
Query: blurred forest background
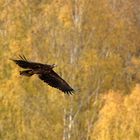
[(96, 45)]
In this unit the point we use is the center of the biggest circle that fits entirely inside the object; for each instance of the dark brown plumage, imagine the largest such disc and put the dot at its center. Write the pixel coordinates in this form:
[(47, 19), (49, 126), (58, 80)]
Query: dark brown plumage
[(45, 72)]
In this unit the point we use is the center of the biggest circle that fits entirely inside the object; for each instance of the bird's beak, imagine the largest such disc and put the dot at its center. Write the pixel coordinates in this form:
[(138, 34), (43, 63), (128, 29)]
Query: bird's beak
[(54, 65)]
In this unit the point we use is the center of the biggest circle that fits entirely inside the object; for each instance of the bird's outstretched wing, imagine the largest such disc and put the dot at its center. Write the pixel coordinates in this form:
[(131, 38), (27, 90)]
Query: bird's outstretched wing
[(54, 80), (24, 63)]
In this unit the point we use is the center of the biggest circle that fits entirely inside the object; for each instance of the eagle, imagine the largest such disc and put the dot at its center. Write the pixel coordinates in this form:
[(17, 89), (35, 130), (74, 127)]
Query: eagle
[(45, 72)]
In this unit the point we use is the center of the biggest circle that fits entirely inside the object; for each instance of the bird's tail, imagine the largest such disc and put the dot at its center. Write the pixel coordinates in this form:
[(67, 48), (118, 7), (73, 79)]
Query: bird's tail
[(26, 73)]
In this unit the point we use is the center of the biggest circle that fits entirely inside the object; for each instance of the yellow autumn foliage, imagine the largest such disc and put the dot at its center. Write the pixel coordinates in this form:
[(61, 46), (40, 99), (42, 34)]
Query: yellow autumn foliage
[(95, 44), (65, 16), (119, 117)]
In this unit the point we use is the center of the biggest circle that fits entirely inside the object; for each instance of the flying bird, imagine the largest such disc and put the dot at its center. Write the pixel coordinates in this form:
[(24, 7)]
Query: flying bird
[(45, 72)]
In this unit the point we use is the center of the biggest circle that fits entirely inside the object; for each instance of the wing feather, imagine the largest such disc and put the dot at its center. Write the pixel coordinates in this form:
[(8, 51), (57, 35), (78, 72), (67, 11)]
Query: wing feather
[(54, 80), (27, 64)]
